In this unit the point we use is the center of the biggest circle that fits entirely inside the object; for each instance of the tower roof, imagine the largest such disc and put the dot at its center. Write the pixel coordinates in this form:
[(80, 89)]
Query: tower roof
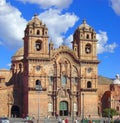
[(85, 26), (18, 55), (35, 20)]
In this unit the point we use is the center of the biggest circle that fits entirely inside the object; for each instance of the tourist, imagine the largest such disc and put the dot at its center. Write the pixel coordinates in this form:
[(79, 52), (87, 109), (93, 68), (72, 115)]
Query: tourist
[(63, 121), (76, 121), (59, 120), (66, 120)]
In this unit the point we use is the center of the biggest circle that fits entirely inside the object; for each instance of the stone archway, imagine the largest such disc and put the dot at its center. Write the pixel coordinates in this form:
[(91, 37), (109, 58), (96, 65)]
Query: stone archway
[(63, 108), (15, 111)]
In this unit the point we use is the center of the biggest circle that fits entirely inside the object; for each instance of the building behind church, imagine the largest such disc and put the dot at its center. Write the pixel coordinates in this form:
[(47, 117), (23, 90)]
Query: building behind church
[(68, 77)]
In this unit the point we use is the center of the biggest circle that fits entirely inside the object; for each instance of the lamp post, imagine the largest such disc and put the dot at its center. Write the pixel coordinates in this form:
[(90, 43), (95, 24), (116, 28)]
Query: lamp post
[(72, 109), (38, 88), (83, 108)]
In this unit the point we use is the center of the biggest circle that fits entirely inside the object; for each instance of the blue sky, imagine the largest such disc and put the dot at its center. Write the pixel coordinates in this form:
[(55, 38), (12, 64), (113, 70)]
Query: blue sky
[(62, 17)]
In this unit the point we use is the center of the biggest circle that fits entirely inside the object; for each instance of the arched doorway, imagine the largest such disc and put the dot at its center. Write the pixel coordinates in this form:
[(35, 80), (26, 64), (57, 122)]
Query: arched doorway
[(15, 111), (63, 108)]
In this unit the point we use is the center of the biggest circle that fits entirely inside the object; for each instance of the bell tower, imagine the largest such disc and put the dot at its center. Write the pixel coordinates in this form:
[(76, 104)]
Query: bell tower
[(35, 55), (35, 38), (85, 40)]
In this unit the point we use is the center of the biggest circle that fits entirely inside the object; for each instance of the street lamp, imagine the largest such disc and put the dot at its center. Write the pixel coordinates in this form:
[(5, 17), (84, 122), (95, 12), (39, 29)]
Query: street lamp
[(83, 108), (72, 109), (38, 88)]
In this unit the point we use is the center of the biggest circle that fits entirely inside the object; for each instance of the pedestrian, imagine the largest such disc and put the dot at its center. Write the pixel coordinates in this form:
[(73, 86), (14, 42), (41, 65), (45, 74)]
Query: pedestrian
[(59, 120), (56, 116), (76, 121), (63, 121), (90, 121), (66, 120)]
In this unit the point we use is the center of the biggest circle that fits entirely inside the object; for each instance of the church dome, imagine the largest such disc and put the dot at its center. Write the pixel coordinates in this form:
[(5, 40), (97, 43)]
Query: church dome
[(35, 21), (85, 26), (117, 80), (18, 55)]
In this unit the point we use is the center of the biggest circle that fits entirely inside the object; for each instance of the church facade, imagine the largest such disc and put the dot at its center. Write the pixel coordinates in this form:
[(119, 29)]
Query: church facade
[(68, 77)]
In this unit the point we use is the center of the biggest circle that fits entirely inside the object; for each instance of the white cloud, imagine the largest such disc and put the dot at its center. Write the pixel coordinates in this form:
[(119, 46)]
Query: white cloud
[(58, 24), (1, 43), (9, 65), (103, 45), (61, 4), (116, 6), (12, 25), (68, 41)]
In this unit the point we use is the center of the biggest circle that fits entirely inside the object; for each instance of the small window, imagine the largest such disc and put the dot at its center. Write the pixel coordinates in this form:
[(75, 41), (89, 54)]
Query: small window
[(38, 82), (76, 80), (38, 32), (89, 85), (43, 32), (87, 36), (51, 79), (117, 108), (64, 80), (38, 85), (20, 66)]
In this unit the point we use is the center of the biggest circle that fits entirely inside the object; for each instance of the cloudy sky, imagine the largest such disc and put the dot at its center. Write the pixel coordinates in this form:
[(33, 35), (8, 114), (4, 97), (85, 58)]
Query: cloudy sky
[(62, 17)]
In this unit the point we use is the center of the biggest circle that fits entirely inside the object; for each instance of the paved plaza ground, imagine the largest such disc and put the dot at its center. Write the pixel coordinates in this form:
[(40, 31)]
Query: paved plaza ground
[(53, 120)]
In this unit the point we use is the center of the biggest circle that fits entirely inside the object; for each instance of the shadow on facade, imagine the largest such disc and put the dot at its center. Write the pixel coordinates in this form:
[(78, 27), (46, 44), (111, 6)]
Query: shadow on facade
[(16, 94)]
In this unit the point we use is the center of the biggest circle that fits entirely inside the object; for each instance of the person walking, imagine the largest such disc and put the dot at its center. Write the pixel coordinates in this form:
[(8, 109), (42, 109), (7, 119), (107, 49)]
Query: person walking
[(75, 121), (90, 121), (66, 120), (59, 120), (63, 121)]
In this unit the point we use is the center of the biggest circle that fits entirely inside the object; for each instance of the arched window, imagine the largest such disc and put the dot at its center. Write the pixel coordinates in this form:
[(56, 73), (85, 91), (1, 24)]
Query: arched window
[(88, 48), (38, 85), (64, 80), (38, 45), (38, 32), (38, 82), (87, 36), (89, 85)]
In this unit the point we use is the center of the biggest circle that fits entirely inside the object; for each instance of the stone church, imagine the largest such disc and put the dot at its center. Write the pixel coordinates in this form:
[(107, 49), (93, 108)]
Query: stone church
[(44, 80)]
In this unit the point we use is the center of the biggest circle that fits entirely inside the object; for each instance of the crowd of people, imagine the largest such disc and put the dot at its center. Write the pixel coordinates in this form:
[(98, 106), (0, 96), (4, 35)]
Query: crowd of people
[(65, 120)]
